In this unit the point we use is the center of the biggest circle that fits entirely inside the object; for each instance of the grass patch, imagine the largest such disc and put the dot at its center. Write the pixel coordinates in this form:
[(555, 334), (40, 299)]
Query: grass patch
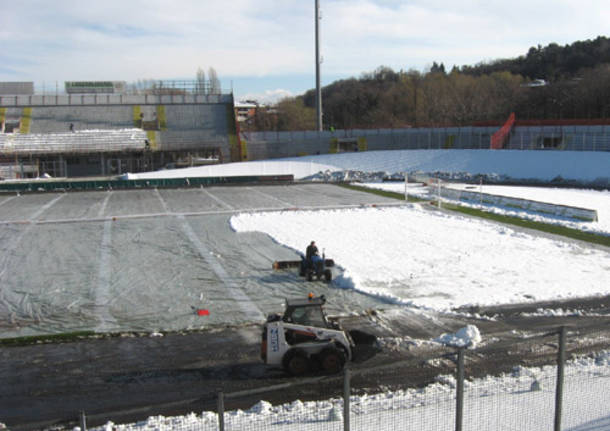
[(474, 212), (531, 224), (50, 338), (384, 193)]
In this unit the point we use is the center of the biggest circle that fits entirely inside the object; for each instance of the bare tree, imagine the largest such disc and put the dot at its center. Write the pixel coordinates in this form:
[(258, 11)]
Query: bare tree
[(214, 81), (200, 81)]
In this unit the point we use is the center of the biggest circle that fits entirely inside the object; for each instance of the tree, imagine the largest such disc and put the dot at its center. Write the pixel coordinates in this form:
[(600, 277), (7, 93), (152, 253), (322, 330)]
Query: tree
[(214, 81), (292, 114), (437, 68), (201, 84)]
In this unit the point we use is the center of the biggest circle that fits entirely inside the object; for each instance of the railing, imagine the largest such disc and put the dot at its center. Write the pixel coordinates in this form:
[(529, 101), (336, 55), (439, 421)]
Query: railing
[(112, 99), (141, 92), (564, 396)]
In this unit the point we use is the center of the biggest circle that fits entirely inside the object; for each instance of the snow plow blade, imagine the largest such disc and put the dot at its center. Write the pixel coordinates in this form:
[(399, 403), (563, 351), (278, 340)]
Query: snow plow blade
[(285, 264)]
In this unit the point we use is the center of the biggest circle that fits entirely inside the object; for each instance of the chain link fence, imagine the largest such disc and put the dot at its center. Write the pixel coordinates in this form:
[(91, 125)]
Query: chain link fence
[(570, 394)]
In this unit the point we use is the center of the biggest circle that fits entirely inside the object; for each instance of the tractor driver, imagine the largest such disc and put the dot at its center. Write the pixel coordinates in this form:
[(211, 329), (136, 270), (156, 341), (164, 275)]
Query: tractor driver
[(312, 256), (311, 251)]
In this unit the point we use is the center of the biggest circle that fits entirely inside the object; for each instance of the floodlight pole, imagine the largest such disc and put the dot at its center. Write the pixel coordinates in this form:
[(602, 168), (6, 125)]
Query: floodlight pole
[(318, 89)]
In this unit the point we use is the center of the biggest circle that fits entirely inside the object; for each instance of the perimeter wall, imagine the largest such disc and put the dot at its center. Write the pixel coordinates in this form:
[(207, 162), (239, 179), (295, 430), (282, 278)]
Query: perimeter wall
[(266, 145)]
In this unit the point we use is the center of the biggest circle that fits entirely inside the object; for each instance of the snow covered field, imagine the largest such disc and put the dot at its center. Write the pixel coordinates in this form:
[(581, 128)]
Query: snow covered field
[(413, 256)]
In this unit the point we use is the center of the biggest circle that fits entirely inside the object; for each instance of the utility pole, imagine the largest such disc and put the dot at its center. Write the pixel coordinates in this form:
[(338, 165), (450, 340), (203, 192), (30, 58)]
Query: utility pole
[(318, 88)]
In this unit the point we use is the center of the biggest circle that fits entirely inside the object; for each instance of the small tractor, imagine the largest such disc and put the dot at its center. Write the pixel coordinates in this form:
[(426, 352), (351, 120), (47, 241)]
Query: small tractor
[(303, 339), (318, 268)]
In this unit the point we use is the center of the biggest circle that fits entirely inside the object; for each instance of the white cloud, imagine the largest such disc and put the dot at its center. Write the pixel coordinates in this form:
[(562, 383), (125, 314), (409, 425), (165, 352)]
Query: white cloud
[(268, 97), (163, 39)]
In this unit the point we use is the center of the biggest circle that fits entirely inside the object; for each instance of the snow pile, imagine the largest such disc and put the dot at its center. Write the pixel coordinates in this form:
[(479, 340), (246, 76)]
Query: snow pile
[(557, 312), (468, 336)]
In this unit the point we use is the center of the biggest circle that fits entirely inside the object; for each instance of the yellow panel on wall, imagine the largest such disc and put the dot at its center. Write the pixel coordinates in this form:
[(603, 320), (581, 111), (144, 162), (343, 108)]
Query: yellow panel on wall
[(362, 146), (137, 118), (244, 149), (234, 147), (151, 135), (334, 145), (26, 120), (161, 117)]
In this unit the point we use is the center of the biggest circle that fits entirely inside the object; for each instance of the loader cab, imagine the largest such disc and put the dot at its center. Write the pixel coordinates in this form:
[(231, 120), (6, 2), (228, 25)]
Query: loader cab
[(307, 312)]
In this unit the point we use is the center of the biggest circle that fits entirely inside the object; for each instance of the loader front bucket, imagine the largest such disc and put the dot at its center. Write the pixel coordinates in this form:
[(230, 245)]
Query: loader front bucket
[(365, 345)]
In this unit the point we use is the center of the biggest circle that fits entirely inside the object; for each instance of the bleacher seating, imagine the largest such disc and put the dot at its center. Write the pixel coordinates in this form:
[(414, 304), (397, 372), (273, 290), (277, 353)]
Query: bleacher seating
[(177, 127), (85, 141)]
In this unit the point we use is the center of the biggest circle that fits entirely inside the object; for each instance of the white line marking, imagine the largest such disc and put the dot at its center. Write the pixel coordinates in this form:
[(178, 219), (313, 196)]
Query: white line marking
[(271, 197), (107, 322), (104, 204), (7, 200), (220, 201), (250, 311), (204, 213), (7, 252), (163, 203), (46, 207)]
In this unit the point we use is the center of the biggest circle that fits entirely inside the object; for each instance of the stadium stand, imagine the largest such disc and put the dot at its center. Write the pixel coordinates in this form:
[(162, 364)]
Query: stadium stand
[(111, 134)]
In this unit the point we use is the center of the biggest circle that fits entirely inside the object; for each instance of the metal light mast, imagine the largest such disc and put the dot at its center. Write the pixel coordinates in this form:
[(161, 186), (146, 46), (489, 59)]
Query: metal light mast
[(318, 88)]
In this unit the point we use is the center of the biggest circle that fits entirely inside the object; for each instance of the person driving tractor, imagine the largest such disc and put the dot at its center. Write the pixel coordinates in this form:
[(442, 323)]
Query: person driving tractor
[(312, 256)]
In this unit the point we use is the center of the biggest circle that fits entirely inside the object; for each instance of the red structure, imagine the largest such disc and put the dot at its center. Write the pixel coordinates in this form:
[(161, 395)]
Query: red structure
[(498, 139)]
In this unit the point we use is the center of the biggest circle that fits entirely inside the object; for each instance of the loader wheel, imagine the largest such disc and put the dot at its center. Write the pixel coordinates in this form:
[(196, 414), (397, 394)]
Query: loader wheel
[(296, 362), (332, 360), (328, 275), (309, 276)]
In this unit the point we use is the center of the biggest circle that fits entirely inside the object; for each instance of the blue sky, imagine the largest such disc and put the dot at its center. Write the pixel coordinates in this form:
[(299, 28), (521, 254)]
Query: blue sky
[(264, 49)]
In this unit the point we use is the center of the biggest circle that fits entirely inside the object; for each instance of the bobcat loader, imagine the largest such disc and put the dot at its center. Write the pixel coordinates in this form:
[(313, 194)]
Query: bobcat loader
[(303, 339)]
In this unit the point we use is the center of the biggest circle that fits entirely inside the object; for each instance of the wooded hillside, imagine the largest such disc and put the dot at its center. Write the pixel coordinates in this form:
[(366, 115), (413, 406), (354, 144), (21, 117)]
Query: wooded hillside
[(576, 86)]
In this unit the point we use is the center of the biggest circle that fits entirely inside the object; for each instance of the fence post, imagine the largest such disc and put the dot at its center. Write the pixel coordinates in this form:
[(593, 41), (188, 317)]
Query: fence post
[(82, 421), (221, 411), (561, 357), (346, 395), (439, 191), (459, 396)]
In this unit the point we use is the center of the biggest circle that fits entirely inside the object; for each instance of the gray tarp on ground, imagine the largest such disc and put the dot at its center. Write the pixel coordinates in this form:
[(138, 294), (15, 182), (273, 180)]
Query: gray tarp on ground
[(145, 260)]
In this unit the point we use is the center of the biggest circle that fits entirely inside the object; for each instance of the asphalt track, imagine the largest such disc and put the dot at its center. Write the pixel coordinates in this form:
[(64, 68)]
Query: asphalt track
[(132, 262)]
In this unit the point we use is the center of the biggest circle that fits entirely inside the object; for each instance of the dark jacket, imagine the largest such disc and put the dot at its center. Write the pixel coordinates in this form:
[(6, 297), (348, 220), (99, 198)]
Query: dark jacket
[(312, 250)]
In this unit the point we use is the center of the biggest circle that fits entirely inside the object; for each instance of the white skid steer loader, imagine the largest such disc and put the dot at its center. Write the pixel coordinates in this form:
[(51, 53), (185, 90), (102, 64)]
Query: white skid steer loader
[(303, 339)]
